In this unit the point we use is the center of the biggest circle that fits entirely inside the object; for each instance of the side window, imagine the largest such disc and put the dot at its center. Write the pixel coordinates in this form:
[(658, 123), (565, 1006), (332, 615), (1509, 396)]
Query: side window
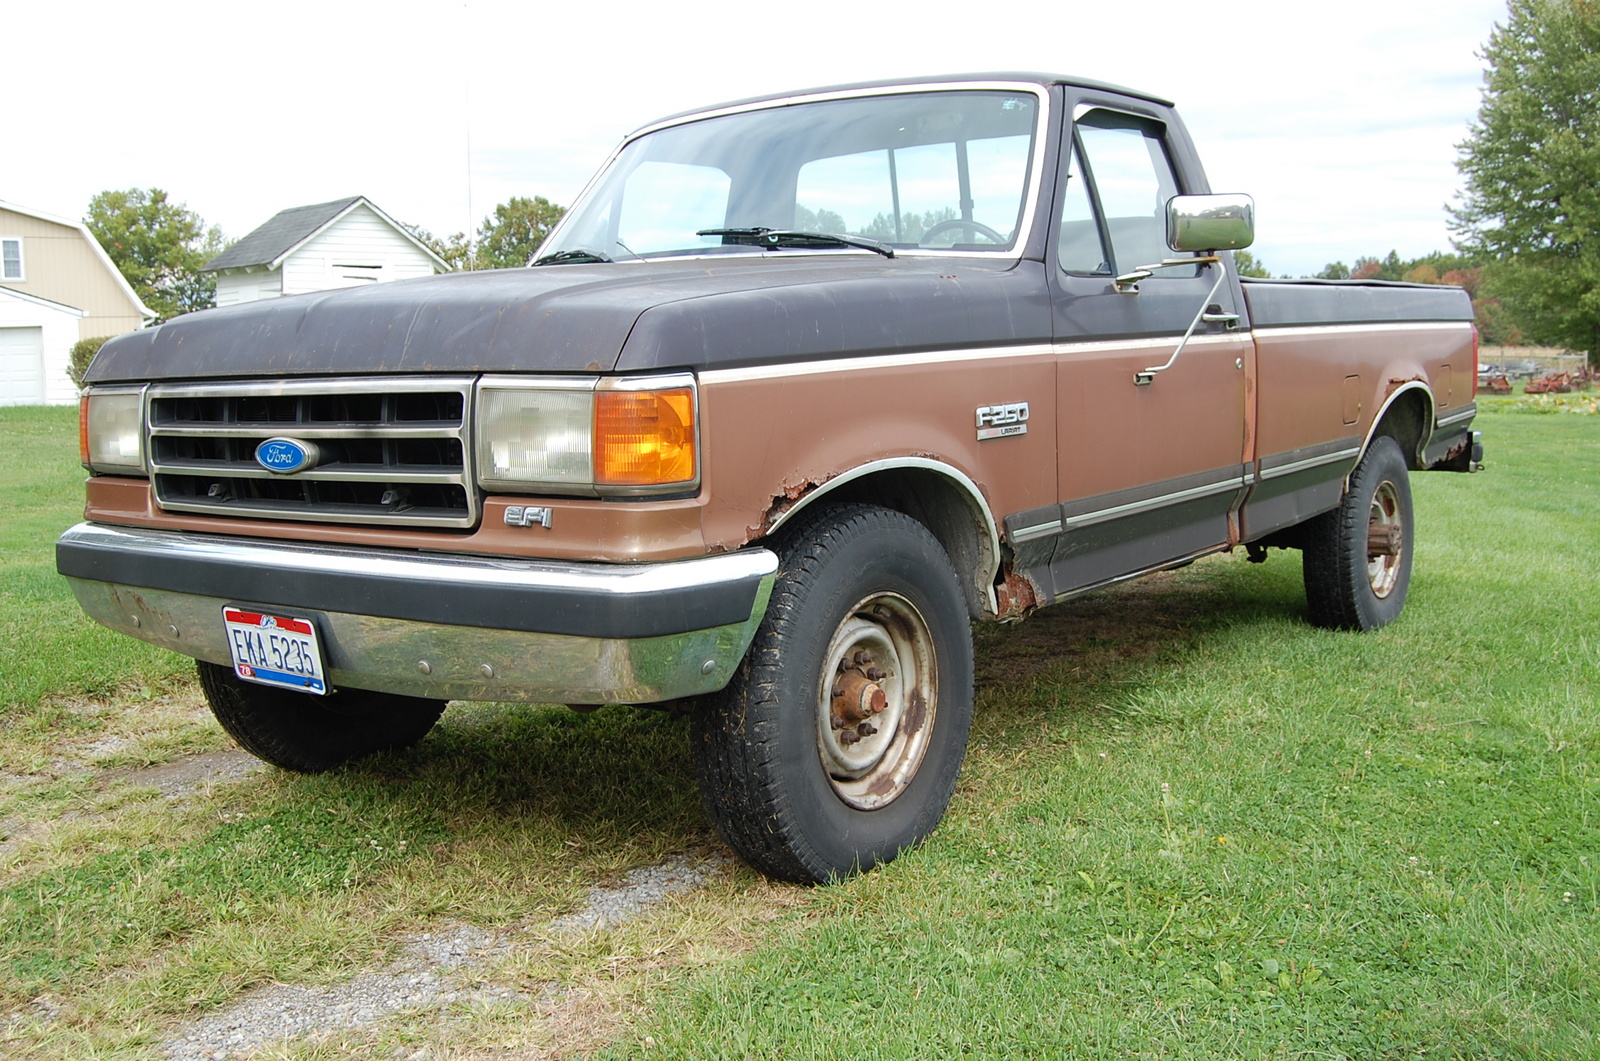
[(1080, 249), (1131, 177)]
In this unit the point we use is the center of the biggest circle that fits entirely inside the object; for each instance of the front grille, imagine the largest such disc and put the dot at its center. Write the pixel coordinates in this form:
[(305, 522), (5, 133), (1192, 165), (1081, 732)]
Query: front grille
[(390, 452)]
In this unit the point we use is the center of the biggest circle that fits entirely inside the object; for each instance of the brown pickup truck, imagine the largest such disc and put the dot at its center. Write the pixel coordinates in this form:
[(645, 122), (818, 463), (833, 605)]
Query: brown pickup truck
[(799, 388)]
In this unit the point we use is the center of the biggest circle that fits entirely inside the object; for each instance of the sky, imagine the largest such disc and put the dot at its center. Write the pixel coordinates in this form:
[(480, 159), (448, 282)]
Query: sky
[(1340, 119)]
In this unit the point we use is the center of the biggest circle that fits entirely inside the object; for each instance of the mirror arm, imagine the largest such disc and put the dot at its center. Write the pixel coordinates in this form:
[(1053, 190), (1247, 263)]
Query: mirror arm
[(1128, 283), (1146, 377)]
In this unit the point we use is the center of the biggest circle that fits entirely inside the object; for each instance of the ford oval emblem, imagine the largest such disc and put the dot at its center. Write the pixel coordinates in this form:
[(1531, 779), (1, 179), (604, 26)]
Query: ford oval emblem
[(286, 455)]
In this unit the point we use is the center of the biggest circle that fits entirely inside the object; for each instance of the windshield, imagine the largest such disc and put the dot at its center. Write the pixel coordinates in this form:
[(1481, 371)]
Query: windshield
[(944, 170)]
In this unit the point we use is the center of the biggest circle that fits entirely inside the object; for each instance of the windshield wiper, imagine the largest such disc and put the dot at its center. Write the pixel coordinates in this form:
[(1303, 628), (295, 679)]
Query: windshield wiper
[(782, 237), (571, 257)]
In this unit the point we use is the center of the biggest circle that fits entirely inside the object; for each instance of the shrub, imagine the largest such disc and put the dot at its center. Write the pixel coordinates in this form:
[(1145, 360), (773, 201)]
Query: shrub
[(83, 352)]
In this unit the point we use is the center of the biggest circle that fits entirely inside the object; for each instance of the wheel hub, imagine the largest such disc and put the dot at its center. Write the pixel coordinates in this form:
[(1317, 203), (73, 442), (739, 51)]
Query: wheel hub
[(1385, 539), (875, 708)]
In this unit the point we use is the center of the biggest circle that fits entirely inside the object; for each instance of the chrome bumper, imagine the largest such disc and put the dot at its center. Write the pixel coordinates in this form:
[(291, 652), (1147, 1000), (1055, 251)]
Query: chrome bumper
[(454, 627)]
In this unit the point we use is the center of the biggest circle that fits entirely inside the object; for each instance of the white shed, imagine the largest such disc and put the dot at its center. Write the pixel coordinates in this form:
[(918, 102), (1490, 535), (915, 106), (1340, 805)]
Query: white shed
[(36, 337), (344, 243)]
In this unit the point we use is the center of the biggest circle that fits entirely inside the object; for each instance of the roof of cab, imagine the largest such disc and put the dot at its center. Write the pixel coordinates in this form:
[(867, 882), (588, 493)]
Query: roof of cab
[(939, 80)]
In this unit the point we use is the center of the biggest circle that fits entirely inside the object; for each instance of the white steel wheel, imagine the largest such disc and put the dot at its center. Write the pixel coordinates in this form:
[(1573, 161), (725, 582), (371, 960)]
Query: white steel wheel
[(877, 698)]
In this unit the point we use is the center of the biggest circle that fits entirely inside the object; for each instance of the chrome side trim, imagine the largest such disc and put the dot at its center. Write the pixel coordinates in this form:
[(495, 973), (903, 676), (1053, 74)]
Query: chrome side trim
[(1038, 530), (1346, 329), (1222, 486), (1310, 462), (714, 376), (913, 359), (1466, 412)]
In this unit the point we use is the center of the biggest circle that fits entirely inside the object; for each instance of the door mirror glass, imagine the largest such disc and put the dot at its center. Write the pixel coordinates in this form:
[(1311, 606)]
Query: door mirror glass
[(1210, 222)]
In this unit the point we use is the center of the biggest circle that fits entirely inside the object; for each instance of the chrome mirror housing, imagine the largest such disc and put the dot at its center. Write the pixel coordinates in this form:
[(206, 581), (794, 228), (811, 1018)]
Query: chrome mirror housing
[(1210, 222)]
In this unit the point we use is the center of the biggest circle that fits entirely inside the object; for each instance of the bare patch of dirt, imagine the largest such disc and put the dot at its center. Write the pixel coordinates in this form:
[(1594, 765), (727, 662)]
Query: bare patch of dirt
[(455, 965), (182, 778)]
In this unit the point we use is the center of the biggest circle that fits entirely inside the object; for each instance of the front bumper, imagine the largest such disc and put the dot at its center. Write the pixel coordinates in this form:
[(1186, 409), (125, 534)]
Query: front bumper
[(440, 626)]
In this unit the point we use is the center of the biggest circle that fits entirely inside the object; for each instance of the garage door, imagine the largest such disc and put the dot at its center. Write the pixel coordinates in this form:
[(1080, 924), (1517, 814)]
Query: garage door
[(21, 366)]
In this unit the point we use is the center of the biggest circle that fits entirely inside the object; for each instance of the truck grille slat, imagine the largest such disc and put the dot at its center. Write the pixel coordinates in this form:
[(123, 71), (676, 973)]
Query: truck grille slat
[(390, 452)]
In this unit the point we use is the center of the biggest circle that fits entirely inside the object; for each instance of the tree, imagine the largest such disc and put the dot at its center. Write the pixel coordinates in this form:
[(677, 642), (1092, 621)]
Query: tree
[(508, 237), (454, 249), (1247, 264), (1531, 167), (159, 247)]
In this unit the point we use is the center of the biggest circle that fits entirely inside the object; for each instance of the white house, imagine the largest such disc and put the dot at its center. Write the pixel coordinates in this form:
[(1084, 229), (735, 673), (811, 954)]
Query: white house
[(57, 286), (313, 248)]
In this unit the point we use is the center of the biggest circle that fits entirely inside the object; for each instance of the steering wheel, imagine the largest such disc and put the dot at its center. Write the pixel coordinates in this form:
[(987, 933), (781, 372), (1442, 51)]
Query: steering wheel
[(960, 222)]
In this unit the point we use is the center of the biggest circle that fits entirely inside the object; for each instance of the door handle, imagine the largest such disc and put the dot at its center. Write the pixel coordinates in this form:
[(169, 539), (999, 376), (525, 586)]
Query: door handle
[(1215, 315)]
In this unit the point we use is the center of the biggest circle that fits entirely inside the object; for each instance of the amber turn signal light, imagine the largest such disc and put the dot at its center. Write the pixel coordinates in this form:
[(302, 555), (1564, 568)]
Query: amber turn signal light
[(83, 429), (644, 438)]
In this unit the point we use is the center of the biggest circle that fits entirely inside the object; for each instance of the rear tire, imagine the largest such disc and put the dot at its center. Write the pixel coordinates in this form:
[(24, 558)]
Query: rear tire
[(837, 744), (1357, 558), (309, 734)]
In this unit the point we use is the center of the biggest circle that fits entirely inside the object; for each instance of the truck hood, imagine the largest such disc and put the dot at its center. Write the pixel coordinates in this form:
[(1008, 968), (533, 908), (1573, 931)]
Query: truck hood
[(617, 317)]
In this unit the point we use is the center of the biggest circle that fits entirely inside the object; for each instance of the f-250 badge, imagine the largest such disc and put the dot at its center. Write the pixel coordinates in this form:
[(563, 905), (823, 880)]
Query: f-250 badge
[(1002, 421)]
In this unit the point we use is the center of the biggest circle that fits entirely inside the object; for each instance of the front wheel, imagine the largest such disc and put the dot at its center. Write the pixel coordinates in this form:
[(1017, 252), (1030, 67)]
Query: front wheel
[(1357, 558), (837, 743), (309, 734)]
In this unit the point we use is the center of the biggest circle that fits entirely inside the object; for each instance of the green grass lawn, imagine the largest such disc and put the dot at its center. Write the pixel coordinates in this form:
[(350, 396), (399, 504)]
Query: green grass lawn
[(47, 650), (1190, 826)]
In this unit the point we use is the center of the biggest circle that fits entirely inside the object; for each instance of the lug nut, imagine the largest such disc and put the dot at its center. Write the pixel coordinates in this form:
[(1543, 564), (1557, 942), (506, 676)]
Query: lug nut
[(862, 658), (849, 737), (876, 674), (866, 729)]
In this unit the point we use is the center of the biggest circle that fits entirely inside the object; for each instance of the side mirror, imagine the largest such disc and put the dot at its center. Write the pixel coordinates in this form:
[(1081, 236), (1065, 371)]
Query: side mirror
[(1210, 222)]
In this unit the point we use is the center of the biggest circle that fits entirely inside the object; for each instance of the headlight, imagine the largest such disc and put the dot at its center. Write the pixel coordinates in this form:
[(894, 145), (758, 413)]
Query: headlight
[(533, 438), (587, 436), (111, 431)]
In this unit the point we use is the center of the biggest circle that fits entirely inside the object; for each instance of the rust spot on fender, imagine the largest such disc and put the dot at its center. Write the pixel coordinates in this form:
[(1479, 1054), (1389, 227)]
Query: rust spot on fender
[(782, 503), (1396, 384)]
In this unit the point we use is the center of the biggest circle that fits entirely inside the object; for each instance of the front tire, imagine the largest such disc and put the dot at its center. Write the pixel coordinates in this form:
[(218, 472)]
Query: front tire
[(837, 744), (310, 734), (1357, 558)]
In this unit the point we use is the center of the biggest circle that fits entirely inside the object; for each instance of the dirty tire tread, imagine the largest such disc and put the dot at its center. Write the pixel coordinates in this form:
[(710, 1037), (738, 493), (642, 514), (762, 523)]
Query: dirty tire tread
[(308, 734), (1334, 565), (745, 772)]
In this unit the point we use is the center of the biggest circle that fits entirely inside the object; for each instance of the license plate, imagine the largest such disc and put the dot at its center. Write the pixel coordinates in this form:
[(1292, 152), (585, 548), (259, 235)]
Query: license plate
[(280, 650)]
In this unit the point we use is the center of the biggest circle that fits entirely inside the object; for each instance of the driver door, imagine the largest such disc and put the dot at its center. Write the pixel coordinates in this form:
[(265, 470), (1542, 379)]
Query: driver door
[(1148, 474)]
